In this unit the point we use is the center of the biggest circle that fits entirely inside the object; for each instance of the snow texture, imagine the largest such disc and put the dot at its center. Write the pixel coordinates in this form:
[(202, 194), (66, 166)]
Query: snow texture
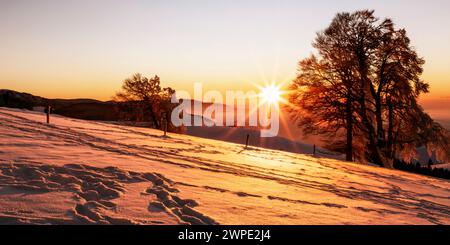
[(82, 172)]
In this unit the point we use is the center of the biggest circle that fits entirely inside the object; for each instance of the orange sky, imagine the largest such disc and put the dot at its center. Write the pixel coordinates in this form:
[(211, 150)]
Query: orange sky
[(73, 49)]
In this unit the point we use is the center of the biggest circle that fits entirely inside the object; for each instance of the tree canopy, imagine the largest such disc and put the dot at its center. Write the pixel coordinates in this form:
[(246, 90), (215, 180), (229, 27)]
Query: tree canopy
[(146, 100), (360, 90)]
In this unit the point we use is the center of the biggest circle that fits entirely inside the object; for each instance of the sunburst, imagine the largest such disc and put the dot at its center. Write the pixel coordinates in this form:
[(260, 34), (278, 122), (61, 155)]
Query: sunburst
[(272, 94)]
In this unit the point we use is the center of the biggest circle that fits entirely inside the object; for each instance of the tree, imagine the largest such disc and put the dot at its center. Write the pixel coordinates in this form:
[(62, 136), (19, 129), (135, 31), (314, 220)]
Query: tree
[(364, 78), (144, 97), (324, 92)]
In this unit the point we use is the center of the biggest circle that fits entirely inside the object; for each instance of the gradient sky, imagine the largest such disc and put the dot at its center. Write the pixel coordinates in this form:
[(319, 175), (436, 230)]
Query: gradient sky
[(69, 49)]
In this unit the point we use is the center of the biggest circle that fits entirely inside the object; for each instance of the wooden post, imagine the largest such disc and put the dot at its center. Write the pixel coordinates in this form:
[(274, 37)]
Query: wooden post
[(164, 119), (165, 127), (314, 150), (246, 141), (48, 113)]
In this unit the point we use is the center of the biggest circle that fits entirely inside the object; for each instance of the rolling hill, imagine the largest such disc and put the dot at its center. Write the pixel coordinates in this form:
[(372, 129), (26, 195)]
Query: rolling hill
[(84, 172)]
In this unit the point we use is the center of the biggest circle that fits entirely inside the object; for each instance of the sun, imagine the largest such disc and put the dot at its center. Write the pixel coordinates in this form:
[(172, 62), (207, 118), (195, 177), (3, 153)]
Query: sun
[(271, 94)]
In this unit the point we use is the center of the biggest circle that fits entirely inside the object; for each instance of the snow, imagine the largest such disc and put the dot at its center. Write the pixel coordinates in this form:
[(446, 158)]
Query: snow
[(83, 172), (444, 166)]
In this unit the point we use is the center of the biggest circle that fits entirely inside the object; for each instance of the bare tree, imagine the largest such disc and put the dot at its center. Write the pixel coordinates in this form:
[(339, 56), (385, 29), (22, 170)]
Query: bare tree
[(364, 78), (146, 97)]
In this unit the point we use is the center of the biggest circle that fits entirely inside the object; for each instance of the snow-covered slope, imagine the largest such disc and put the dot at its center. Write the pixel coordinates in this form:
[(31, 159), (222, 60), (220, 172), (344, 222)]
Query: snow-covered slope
[(80, 172), (444, 166)]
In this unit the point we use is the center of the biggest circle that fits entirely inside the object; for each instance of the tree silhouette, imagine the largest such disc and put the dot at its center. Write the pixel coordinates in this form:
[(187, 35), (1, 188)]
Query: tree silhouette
[(364, 79), (145, 96)]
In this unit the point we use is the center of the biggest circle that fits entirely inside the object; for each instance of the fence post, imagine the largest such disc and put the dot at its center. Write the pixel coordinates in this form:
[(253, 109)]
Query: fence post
[(314, 150), (48, 113), (165, 127), (164, 119), (246, 141)]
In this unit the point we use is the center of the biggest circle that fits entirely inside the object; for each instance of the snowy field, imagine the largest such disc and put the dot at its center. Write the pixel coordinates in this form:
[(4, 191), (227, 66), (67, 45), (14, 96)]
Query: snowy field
[(81, 172)]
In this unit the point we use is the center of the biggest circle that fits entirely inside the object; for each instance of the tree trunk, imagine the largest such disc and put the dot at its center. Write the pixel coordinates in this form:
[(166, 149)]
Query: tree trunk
[(379, 118), (349, 127), (373, 144), (154, 118), (390, 140)]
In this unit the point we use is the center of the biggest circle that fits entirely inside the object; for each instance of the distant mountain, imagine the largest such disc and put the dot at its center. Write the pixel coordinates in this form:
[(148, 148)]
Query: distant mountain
[(290, 138), (88, 109), (239, 134)]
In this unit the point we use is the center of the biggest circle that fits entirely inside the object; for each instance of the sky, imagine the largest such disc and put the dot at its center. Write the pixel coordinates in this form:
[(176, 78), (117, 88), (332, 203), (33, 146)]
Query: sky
[(85, 49)]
